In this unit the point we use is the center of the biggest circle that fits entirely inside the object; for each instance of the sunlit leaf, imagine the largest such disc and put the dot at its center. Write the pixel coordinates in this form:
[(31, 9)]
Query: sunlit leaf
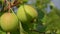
[(55, 21)]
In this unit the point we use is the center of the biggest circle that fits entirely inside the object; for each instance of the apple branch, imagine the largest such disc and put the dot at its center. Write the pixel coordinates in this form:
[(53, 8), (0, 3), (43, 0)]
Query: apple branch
[(12, 5)]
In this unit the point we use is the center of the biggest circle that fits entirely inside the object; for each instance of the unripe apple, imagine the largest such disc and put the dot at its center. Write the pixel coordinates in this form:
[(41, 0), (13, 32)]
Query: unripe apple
[(9, 21), (26, 13)]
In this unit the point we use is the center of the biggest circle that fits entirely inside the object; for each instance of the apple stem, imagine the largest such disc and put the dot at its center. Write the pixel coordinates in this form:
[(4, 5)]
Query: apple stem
[(9, 4), (8, 32)]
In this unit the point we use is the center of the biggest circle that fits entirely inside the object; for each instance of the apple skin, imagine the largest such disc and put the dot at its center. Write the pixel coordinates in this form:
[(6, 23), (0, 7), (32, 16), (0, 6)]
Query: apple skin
[(9, 22), (26, 13)]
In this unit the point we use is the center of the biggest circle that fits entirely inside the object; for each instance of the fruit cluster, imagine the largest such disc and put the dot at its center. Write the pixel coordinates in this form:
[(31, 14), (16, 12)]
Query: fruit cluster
[(9, 21)]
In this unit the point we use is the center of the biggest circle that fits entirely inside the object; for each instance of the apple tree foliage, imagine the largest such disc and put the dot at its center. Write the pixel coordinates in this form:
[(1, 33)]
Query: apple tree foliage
[(46, 23)]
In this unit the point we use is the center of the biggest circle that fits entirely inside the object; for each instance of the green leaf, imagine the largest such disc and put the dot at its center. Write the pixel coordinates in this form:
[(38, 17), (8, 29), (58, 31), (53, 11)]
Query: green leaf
[(42, 3), (55, 21), (33, 32), (25, 1), (2, 32), (57, 11), (25, 27), (22, 31), (40, 14), (16, 32), (44, 20)]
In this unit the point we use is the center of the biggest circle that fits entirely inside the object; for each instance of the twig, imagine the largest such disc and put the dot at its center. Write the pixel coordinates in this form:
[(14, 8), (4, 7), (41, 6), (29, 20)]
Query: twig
[(14, 4), (9, 5)]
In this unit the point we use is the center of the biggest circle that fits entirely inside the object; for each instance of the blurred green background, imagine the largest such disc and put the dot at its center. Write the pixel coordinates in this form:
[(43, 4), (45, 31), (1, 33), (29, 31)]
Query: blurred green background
[(48, 21)]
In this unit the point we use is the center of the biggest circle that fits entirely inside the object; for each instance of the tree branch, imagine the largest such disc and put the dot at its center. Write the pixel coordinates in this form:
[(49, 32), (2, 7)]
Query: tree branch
[(12, 5)]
